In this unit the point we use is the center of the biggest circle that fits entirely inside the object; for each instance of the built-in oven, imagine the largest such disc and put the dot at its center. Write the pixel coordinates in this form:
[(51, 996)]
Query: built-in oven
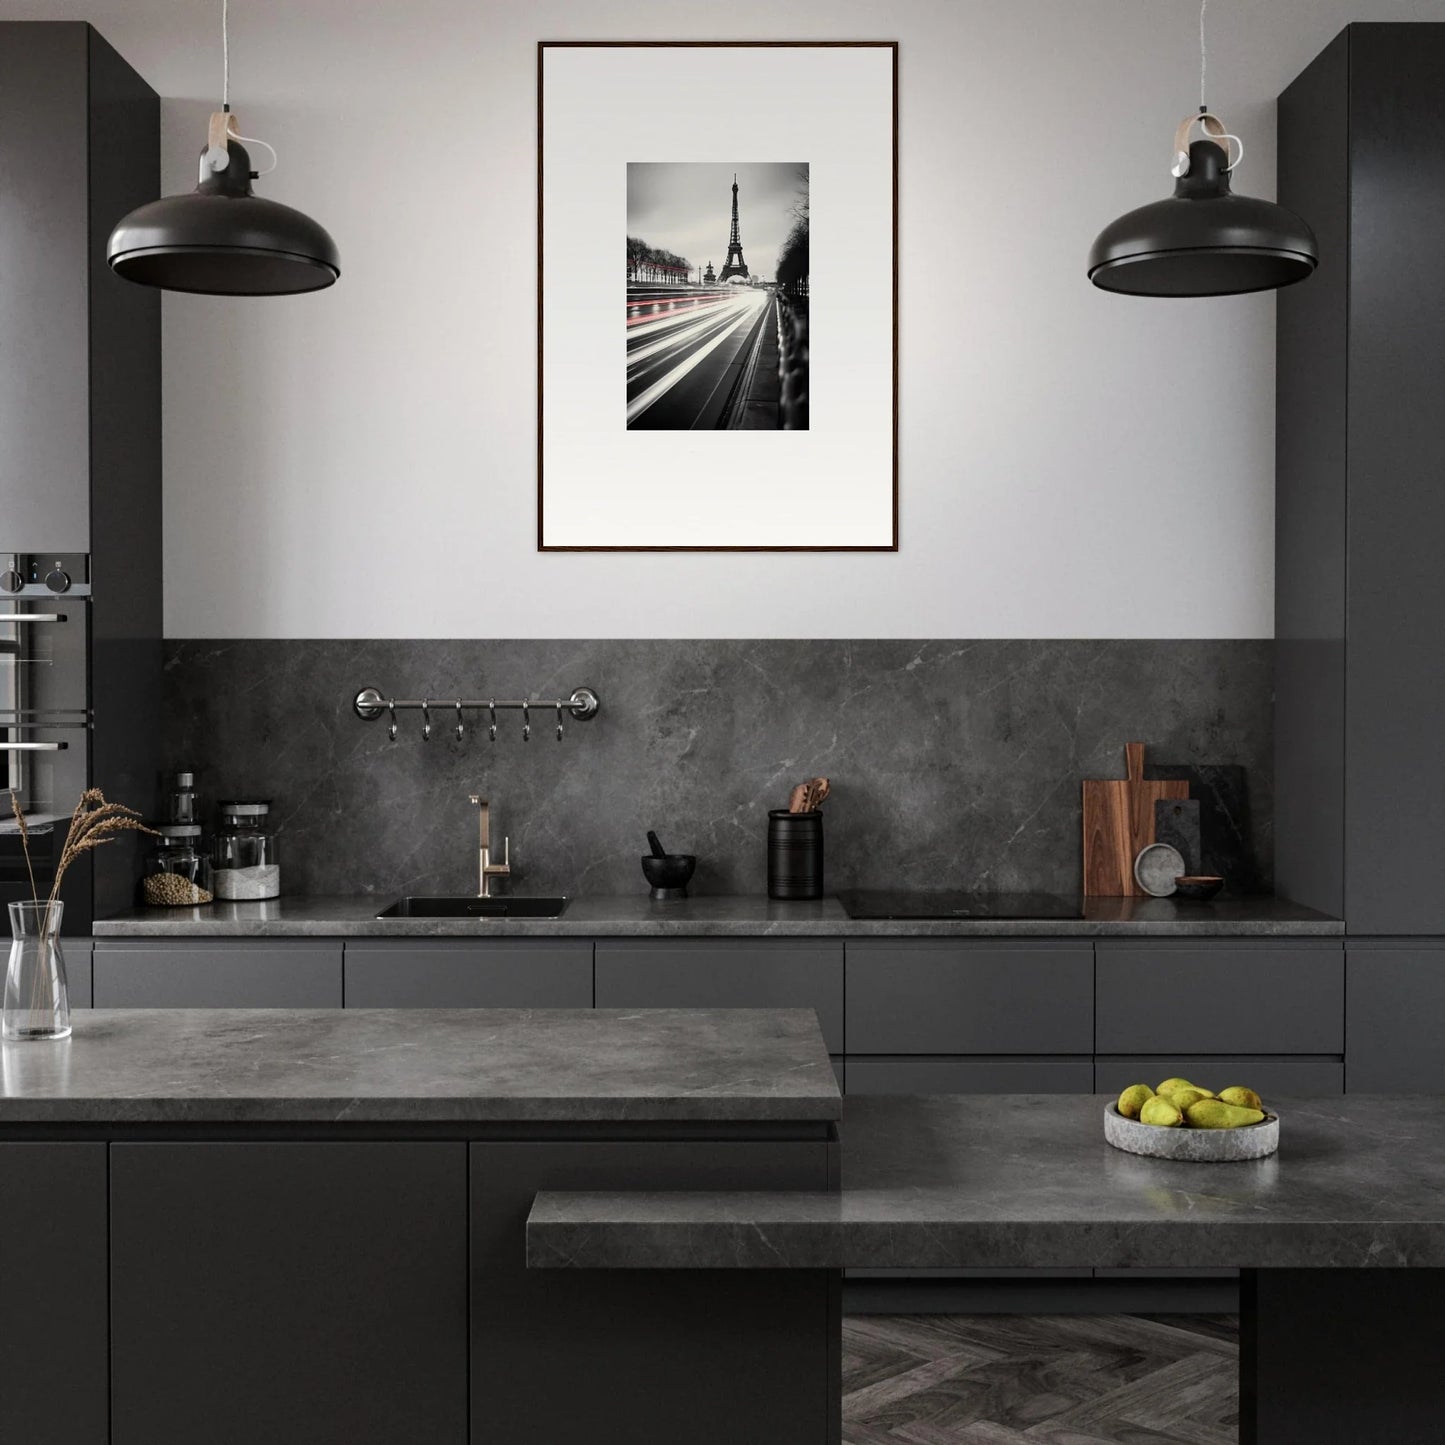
[(45, 718)]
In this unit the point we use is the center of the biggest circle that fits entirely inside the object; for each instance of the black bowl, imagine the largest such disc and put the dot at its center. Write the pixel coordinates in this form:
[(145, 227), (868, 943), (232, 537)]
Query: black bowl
[(668, 874), (1199, 886)]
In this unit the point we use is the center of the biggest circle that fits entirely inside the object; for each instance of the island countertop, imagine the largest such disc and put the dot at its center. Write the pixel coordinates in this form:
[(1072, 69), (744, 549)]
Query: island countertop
[(422, 1066), (971, 1181), (638, 916)]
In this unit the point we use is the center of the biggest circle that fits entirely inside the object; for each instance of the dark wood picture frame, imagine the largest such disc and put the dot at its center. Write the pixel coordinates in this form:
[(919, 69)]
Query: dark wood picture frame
[(542, 47)]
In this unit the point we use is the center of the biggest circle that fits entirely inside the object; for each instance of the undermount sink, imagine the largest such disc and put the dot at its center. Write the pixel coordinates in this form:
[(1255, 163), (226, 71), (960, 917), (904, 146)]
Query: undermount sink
[(473, 907)]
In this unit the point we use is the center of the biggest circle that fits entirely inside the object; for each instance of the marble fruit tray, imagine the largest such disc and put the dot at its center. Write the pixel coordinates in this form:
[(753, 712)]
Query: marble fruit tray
[(1195, 1146)]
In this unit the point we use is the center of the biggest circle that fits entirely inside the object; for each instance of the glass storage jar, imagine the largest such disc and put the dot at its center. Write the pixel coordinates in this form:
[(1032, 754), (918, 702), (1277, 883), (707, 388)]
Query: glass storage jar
[(178, 868), (244, 857)]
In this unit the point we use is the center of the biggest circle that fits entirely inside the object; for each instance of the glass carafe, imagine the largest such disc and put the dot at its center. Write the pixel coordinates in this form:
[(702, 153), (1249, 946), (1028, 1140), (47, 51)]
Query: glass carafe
[(37, 999)]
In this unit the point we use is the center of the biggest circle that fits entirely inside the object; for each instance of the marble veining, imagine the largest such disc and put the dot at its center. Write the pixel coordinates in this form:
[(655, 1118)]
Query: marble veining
[(954, 763), (422, 1066), (720, 916), (1028, 1181)]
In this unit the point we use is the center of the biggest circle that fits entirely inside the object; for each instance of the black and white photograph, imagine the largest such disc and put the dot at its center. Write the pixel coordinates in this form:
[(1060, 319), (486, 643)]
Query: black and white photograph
[(742, 178), (716, 342)]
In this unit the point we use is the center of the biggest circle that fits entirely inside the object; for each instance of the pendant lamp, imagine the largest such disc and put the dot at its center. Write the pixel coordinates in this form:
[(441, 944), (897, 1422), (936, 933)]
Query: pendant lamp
[(222, 239), (1203, 240)]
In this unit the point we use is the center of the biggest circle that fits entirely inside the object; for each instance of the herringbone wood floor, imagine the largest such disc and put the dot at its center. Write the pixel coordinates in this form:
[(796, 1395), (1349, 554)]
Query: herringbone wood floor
[(1040, 1380)]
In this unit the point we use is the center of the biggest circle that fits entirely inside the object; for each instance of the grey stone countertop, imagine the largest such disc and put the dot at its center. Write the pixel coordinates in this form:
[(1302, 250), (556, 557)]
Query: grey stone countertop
[(742, 917), (961, 1181), (422, 1066)]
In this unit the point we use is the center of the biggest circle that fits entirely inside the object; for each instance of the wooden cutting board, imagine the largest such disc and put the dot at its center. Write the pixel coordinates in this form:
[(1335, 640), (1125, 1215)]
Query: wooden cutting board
[(1118, 822)]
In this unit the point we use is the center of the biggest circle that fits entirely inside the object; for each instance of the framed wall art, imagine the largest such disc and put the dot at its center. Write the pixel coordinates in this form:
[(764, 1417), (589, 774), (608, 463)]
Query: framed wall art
[(723, 385)]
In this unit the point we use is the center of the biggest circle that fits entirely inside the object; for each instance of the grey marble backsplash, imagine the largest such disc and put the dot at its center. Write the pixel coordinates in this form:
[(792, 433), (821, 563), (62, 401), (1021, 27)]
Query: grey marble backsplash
[(953, 764)]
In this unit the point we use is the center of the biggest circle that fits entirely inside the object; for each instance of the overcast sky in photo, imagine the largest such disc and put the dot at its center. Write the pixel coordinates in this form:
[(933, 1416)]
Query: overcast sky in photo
[(686, 207)]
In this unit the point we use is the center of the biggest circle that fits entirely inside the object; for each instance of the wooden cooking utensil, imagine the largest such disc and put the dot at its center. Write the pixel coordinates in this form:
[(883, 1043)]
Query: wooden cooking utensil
[(1118, 822)]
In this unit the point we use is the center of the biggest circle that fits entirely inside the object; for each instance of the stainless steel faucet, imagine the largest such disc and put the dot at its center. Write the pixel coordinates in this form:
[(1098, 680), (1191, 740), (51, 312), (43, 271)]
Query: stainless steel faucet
[(486, 869)]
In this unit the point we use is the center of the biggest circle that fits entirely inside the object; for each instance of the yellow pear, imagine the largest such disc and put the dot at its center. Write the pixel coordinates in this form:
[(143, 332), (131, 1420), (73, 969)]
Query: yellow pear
[(1161, 1112), (1215, 1114), (1245, 1098), (1183, 1098), (1133, 1099)]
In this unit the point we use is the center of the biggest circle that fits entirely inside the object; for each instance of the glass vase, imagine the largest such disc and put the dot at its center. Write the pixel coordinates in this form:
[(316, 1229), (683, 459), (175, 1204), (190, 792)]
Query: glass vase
[(37, 999)]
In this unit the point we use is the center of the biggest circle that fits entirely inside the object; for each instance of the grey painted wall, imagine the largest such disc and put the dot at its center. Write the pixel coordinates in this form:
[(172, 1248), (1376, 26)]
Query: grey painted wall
[(954, 764)]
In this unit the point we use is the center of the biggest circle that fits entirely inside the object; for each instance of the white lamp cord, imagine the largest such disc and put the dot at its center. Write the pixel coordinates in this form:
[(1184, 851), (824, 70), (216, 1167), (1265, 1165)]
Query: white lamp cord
[(1216, 132), (217, 159)]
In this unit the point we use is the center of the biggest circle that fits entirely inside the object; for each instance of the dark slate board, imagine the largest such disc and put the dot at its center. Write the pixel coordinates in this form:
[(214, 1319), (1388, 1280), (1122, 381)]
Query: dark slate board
[(1176, 822), (1224, 831)]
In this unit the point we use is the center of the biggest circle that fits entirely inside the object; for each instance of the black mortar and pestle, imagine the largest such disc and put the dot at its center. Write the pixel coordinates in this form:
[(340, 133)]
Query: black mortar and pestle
[(667, 872)]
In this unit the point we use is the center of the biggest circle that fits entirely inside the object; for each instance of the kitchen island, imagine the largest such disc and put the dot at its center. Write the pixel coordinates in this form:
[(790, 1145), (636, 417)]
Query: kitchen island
[(309, 1226), (1341, 1235)]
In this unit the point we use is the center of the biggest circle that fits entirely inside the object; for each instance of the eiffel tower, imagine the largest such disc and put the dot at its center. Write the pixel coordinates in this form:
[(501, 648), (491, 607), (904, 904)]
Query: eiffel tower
[(735, 265)]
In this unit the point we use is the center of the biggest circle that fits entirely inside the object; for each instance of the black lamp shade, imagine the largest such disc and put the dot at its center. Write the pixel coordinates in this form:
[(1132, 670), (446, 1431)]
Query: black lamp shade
[(223, 240), (1203, 240)]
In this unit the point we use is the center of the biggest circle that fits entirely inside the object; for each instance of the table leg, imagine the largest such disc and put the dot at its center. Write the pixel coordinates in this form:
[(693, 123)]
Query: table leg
[(1342, 1357)]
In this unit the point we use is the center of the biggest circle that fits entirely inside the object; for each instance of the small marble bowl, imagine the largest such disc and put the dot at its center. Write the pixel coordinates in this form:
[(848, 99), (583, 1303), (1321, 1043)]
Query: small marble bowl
[(1194, 1146)]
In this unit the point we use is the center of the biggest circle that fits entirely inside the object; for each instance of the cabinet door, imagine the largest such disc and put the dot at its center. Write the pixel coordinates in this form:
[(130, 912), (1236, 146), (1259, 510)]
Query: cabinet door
[(44, 288), (202, 973), (726, 973), (297, 1294), (1299, 1077), (53, 1329), (652, 1357), (970, 1076), (1394, 1004), (952, 996), (1210, 997), (494, 973)]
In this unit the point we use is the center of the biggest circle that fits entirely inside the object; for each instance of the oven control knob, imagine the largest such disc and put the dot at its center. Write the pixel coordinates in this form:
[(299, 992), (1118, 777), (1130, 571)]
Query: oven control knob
[(58, 581), (11, 581)]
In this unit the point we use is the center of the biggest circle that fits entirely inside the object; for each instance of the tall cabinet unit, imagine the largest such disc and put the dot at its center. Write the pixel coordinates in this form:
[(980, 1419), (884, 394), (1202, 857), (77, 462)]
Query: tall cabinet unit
[(80, 446), (1360, 526)]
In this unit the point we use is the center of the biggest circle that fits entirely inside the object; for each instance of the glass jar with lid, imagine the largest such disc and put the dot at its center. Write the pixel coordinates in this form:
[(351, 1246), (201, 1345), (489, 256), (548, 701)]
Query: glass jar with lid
[(245, 862), (177, 869)]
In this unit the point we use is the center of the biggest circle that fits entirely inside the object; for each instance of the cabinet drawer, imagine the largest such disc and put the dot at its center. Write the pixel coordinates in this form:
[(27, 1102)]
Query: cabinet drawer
[(1212, 998), (1396, 999), (1271, 1077), (929, 996), (970, 1076), (500, 973), (299, 973), (703, 973)]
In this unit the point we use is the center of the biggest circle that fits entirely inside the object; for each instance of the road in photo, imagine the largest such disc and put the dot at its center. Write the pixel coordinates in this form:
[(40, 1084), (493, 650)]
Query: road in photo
[(717, 346)]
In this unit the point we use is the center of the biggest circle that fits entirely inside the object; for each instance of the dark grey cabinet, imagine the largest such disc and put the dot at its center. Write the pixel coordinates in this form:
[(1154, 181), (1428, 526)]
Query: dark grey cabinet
[(1395, 1002), (726, 973), (53, 1329), (77, 953), (207, 973), (207, 1238), (80, 387), (970, 1076), (1212, 997), (753, 1333), (1271, 1075), (952, 996), (460, 973), (1360, 512)]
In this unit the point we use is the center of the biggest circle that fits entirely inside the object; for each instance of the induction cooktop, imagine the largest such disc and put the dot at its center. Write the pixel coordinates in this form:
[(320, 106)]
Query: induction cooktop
[(894, 903)]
